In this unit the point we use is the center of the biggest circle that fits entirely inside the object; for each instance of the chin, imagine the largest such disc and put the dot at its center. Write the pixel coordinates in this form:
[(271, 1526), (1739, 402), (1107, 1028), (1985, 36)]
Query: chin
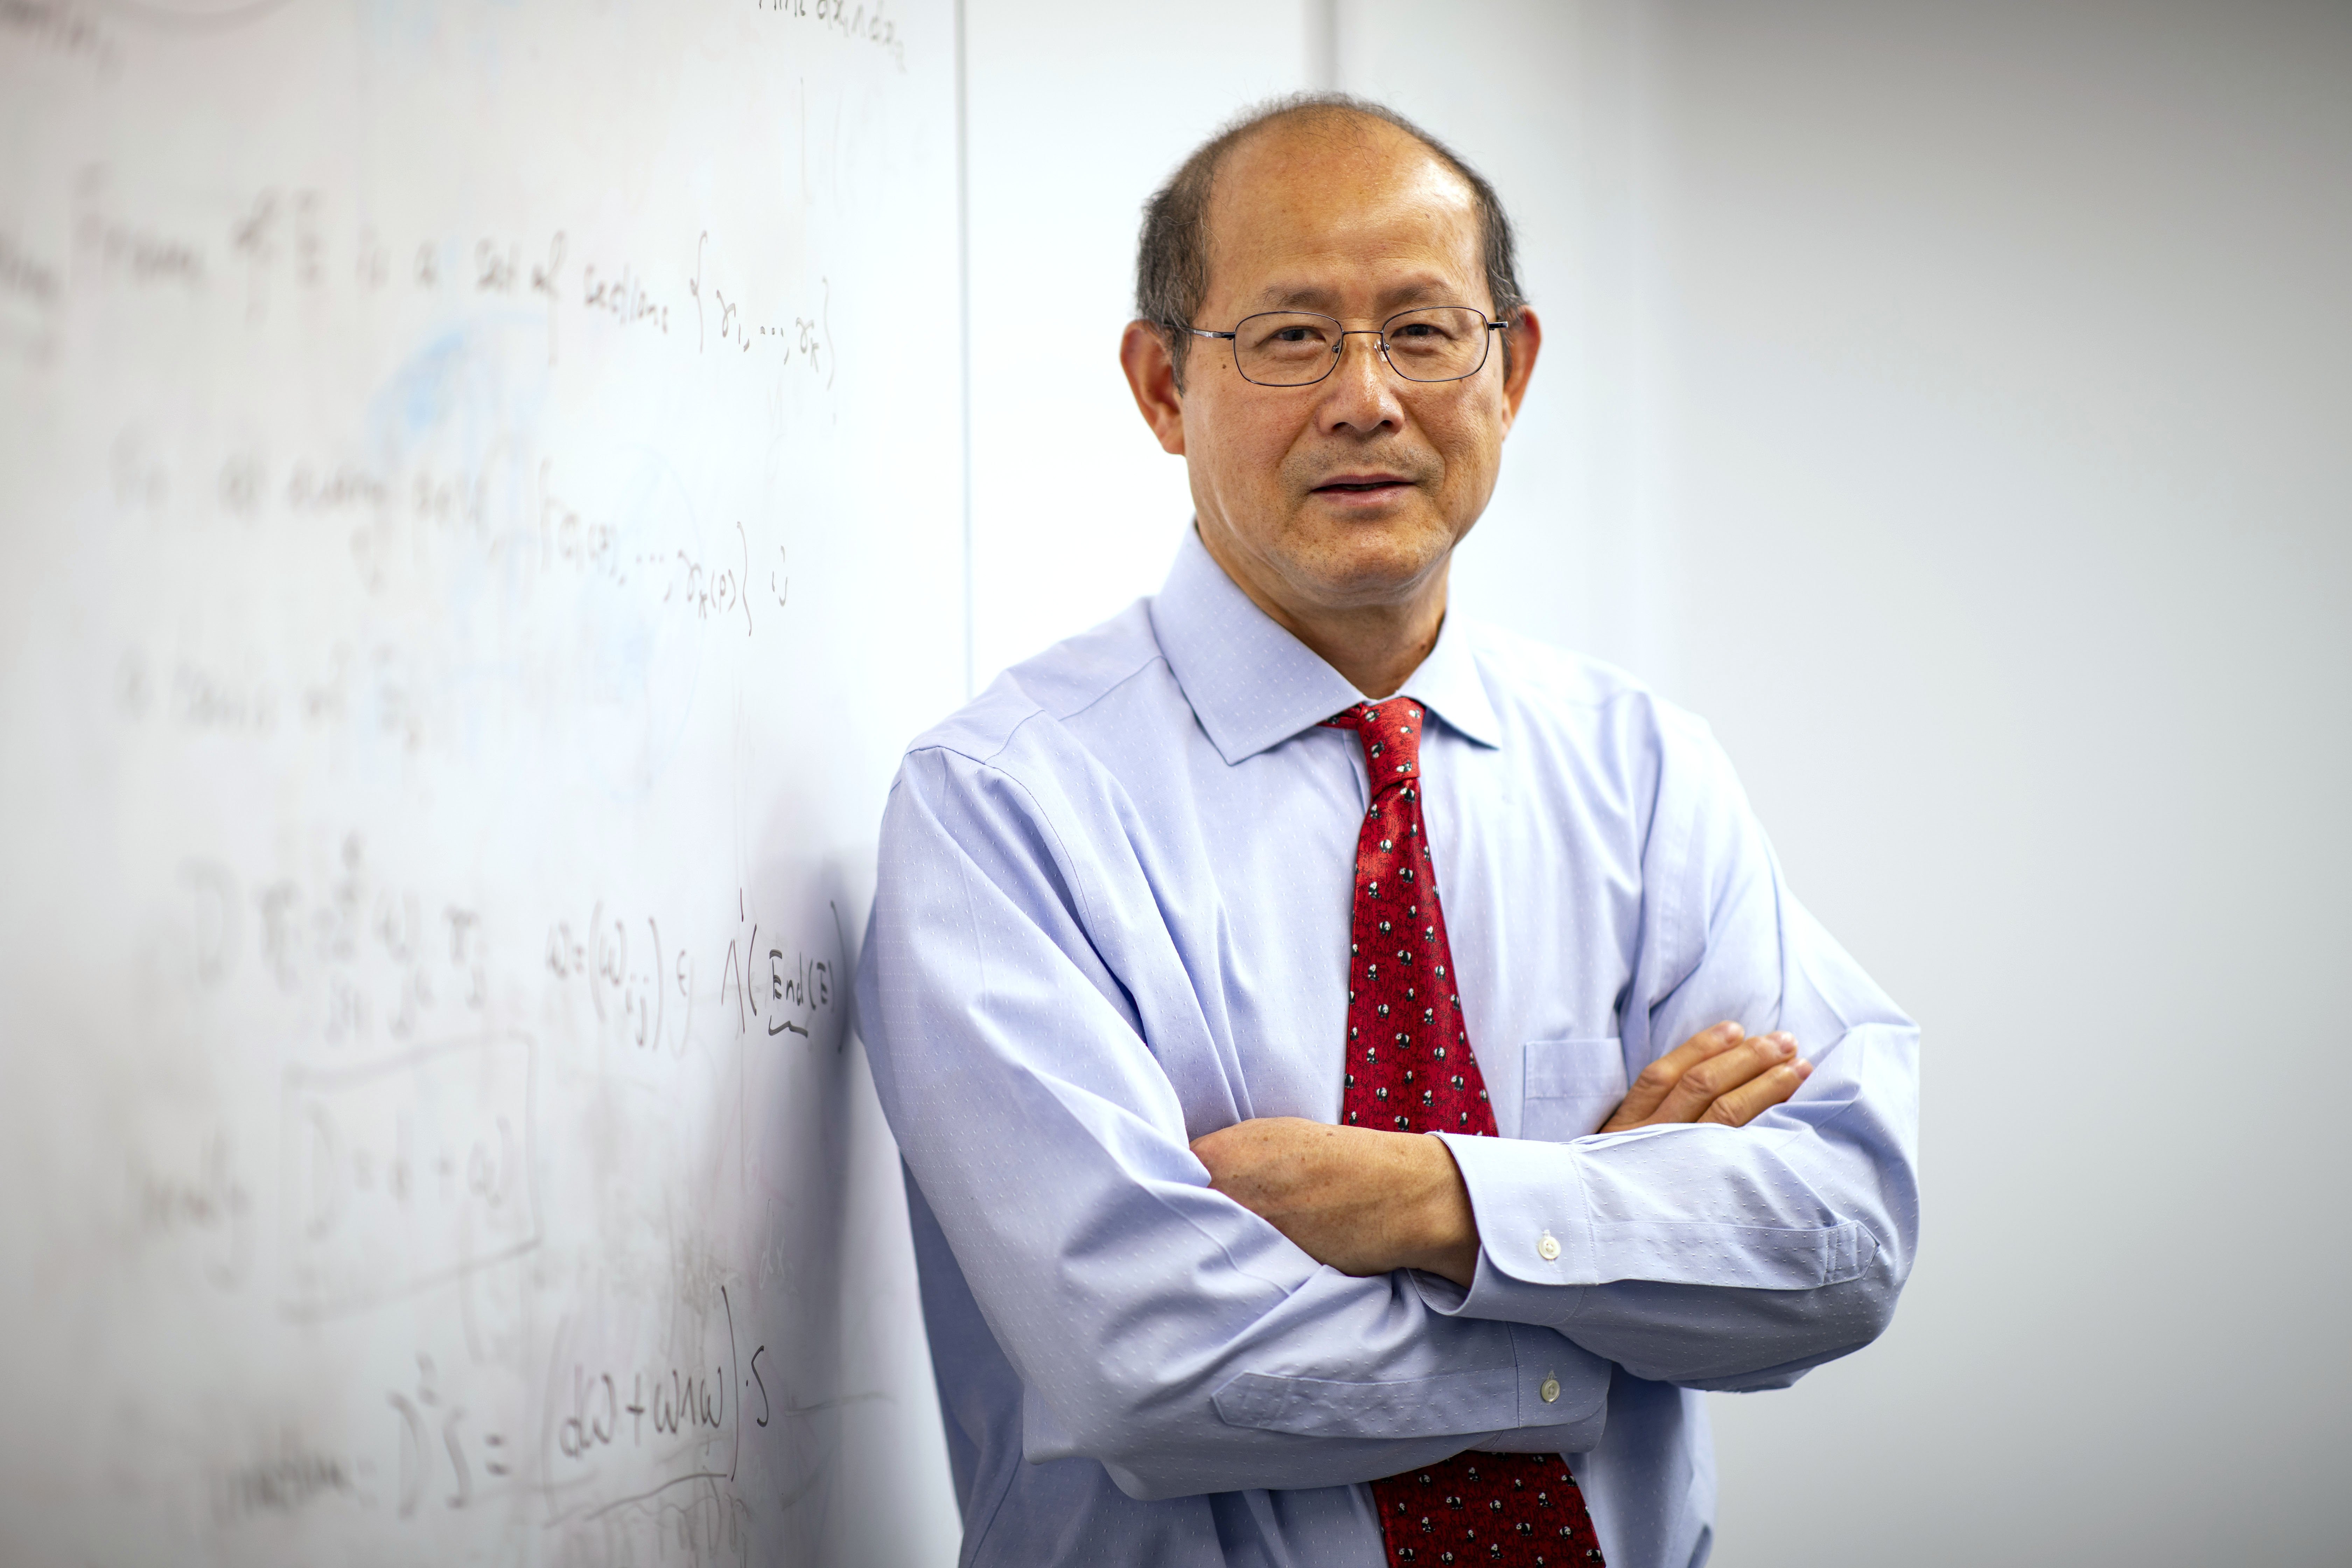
[(1371, 562)]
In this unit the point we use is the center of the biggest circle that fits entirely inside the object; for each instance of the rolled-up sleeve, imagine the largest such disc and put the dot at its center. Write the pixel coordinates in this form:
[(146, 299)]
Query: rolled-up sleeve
[(1720, 1257), (1157, 1326)]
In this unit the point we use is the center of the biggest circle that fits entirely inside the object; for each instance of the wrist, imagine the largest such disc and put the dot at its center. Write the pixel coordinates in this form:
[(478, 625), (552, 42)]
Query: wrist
[(1446, 1238)]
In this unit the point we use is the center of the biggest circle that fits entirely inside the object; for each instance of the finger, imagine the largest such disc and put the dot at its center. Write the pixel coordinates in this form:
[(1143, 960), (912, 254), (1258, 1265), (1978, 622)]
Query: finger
[(1759, 1094), (1654, 1082), (1709, 1081)]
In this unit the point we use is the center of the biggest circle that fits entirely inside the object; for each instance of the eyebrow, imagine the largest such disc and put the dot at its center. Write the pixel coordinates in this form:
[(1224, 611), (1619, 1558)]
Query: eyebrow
[(1426, 289)]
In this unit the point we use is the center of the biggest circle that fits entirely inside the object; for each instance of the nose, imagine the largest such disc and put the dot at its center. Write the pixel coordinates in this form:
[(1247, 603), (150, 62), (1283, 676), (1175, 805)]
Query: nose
[(1360, 393)]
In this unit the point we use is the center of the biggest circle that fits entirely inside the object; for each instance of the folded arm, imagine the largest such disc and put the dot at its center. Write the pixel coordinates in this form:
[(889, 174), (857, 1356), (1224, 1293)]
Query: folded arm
[(1712, 1255), (1746, 1214), (1368, 1202), (1159, 1326)]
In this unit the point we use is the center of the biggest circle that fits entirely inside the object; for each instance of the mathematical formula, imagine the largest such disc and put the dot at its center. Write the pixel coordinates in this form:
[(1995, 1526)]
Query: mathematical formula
[(282, 244), (405, 1173)]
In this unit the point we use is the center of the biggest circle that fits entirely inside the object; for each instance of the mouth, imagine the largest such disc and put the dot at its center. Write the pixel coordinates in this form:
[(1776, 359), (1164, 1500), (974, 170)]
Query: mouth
[(1363, 486)]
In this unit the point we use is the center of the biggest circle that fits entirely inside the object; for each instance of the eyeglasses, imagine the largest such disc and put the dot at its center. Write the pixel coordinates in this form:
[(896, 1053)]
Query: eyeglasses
[(1299, 348)]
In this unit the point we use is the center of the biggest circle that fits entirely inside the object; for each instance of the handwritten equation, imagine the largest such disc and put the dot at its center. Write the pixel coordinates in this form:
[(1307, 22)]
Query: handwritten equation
[(653, 1428), (510, 515), (778, 990), (647, 992), (283, 244), (432, 1427), (386, 960), (407, 1173)]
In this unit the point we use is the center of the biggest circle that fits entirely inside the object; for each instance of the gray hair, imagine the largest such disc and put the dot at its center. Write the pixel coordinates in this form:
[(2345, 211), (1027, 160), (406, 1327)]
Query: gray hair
[(1171, 254)]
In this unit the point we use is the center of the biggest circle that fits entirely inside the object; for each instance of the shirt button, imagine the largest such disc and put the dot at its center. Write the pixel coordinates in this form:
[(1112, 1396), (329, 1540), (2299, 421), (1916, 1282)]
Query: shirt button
[(1550, 1390), (1548, 1250)]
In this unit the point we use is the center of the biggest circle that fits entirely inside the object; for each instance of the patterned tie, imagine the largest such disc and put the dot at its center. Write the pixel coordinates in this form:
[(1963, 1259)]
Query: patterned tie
[(1410, 1069)]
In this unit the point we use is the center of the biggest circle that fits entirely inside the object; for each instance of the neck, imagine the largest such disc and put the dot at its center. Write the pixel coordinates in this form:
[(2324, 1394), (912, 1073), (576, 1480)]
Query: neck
[(1377, 646)]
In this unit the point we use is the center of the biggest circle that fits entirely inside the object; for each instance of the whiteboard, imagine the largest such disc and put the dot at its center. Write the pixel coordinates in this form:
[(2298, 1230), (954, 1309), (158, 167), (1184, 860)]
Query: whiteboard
[(479, 515)]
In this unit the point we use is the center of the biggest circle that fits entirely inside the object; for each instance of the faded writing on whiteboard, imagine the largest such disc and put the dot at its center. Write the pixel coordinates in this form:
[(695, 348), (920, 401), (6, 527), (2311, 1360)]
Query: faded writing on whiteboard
[(630, 976), (861, 19), (407, 1173), (280, 239)]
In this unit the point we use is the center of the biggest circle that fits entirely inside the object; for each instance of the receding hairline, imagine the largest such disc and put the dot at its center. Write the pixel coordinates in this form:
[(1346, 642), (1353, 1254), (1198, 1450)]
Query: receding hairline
[(1333, 122), (1330, 123), (1222, 194), (1173, 244)]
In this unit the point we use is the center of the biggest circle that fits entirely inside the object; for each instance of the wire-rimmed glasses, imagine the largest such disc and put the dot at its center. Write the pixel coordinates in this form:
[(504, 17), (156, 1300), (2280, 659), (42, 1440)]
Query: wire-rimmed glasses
[(1299, 348)]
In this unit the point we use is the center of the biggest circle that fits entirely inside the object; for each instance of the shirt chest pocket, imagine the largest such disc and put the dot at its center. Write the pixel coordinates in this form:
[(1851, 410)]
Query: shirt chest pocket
[(1572, 1087)]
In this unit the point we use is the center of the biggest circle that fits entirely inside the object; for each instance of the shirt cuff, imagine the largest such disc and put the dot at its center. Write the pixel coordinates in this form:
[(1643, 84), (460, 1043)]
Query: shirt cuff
[(1535, 1241), (1539, 1245)]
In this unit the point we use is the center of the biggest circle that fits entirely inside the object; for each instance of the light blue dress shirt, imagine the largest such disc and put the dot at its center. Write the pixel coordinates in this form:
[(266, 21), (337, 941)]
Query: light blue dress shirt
[(1113, 915)]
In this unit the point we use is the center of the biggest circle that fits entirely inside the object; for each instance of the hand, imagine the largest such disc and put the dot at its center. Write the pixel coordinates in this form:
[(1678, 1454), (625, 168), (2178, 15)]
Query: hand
[(1363, 1200), (1723, 1074)]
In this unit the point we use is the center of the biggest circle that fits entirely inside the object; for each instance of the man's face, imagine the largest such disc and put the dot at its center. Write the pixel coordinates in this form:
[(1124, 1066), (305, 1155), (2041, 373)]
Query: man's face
[(1353, 491)]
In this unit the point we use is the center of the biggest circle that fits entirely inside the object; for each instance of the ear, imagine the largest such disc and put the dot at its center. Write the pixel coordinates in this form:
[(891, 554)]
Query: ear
[(1526, 341), (1152, 376)]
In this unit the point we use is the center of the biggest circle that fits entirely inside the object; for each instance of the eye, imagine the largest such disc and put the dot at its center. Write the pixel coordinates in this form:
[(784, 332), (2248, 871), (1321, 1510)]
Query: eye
[(1282, 334)]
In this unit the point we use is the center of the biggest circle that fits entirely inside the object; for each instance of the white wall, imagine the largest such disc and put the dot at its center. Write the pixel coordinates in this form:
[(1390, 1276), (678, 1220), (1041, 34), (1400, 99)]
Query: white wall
[(2004, 427), (1076, 113), (1538, 98), (1951, 402)]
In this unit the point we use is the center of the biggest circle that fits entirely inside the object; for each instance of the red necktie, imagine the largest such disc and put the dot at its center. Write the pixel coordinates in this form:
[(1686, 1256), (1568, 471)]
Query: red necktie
[(1409, 1069)]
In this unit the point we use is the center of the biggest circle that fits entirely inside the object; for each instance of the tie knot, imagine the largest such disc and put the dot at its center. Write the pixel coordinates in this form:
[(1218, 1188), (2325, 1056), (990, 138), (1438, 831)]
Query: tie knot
[(1391, 733)]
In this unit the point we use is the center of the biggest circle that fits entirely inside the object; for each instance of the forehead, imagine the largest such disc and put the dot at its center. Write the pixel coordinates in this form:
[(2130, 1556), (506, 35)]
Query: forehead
[(1351, 210)]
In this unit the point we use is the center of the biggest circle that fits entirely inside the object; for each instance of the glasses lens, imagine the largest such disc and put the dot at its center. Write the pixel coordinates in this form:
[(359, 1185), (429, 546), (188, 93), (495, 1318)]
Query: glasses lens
[(1444, 343), (1285, 348)]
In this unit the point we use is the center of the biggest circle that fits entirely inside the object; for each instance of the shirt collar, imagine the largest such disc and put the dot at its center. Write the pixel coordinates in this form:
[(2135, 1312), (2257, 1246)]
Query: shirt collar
[(1253, 685)]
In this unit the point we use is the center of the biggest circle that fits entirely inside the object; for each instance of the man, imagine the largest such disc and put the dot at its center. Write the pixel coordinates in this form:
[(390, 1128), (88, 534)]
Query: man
[(1248, 977)]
